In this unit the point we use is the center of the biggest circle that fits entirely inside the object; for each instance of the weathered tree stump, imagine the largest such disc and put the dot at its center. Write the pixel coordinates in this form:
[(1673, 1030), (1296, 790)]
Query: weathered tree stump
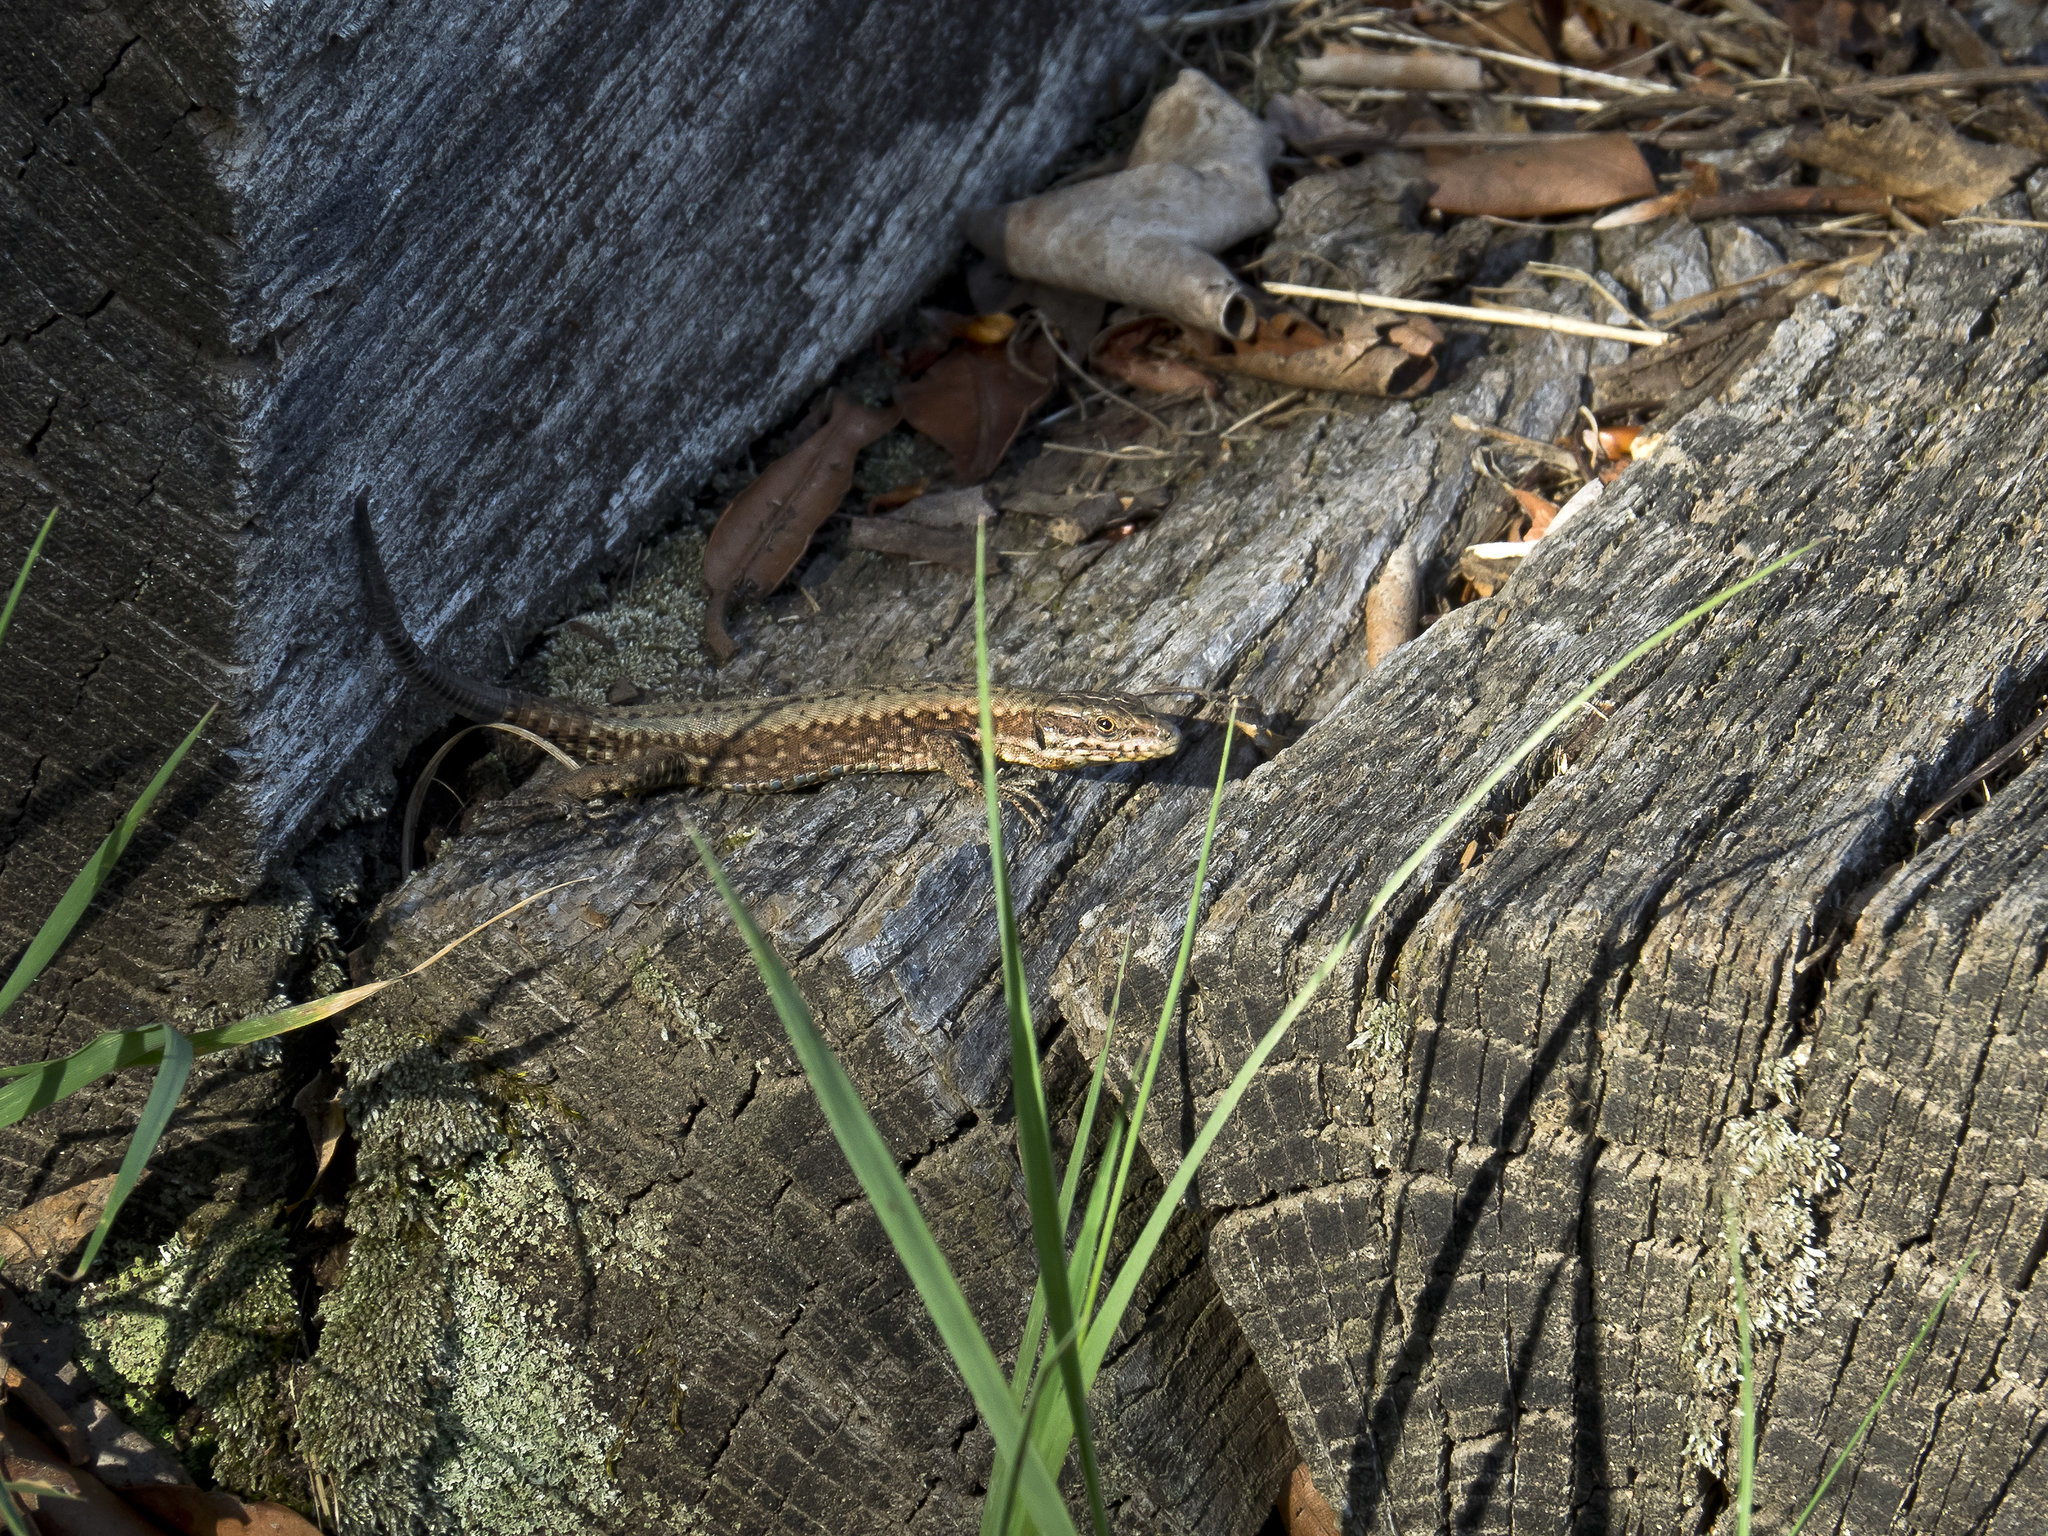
[(528, 275), (1463, 1264)]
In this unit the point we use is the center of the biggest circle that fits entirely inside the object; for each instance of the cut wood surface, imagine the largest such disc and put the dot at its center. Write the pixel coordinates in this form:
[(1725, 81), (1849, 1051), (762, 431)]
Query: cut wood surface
[(1454, 1266)]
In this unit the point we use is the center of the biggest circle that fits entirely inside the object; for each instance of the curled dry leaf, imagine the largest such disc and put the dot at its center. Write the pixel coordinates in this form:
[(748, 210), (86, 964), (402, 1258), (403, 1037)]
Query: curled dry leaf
[(1367, 67), (319, 1104), (1539, 510), (762, 535), (1596, 170), (898, 495), (1147, 354), (973, 401), (1195, 183), (1393, 607), (1379, 353)]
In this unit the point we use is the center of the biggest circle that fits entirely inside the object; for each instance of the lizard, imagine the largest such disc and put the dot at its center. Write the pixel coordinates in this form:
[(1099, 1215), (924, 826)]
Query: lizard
[(781, 743)]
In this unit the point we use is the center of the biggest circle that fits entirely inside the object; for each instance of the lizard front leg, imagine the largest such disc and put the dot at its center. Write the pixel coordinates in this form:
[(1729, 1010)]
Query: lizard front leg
[(951, 757)]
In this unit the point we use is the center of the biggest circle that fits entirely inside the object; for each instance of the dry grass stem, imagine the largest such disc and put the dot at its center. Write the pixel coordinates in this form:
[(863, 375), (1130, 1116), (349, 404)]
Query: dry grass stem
[(1527, 319)]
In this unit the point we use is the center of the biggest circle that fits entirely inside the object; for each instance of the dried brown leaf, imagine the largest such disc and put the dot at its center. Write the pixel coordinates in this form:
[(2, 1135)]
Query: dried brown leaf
[(1571, 176), (1393, 606), (975, 400), (1303, 1511), (1928, 162), (41, 1234), (319, 1104), (762, 535), (1292, 351), (1145, 353), (1539, 509)]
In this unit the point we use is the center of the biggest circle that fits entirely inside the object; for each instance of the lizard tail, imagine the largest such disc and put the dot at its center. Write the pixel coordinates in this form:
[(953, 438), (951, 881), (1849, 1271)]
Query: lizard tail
[(479, 701)]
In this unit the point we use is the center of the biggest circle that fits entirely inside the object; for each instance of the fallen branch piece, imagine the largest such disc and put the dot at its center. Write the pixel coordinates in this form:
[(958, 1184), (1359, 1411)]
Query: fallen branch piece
[(1527, 319), (1543, 453), (1773, 200), (764, 532), (1393, 71), (893, 535), (1195, 183)]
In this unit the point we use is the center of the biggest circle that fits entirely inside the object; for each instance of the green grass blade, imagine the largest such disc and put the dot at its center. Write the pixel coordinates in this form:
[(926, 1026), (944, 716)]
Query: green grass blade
[(29, 1087), (1166, 1011), (1102, 1329), (1034, 1318), (1027, 1086), (149, 1130), (71, 907), (875, 1167), (1745, 1357), (45, 1082), (1891, 1381), (35, 549), (1031, 1373)]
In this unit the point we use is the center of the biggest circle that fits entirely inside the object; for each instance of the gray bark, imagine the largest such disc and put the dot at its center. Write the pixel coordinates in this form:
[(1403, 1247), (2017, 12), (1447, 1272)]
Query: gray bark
[(529, 276), (1468, 1265)]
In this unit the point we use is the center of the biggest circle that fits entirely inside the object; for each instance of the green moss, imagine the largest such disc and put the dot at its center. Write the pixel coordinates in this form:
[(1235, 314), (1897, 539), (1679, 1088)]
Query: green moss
[(447, 1396), (209, 1317)]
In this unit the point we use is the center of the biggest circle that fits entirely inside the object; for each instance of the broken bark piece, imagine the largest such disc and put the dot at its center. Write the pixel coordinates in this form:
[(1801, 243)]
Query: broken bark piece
[(1195, 183), (764, 532), (1355, 67), (894, 535), (973, 401), (1927, 162), (1305, 1512), (1393, 607), (1597, 170)]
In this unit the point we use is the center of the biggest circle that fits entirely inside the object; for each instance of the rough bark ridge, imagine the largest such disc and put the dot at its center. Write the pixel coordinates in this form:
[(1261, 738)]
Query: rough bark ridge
[(530, 274), (1469, 1259)]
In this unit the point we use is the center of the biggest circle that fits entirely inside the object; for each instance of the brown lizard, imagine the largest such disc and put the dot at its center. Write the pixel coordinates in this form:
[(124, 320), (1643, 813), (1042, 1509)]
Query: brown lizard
[(782, 743)]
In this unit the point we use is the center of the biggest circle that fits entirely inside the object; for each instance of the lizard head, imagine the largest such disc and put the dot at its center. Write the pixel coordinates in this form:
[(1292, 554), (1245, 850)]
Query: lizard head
[(1077, 728)]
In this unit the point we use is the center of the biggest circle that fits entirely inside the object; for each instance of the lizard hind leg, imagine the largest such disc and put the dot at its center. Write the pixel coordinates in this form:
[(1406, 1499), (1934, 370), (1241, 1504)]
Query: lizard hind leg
[(643, 774)]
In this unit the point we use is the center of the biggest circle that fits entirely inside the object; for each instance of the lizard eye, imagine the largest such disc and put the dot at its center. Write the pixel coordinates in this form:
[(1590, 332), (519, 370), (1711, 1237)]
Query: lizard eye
[(1106, 725)]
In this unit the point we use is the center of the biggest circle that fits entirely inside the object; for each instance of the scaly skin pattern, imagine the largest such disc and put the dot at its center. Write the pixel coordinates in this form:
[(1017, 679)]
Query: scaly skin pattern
[(784, 743)]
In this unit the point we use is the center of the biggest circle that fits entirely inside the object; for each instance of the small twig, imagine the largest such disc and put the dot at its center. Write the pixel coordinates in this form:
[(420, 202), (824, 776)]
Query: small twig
[(1546, 453), (1135, 451), (1544, 66), (1586, 280), (1527, 319), (2002, 223), (1946, 80), (1364, 93), (1203, 21), (1265, 410), (1992, 764)]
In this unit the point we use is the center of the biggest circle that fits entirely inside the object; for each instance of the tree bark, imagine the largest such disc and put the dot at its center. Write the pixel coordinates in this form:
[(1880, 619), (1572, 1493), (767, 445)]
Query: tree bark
[(1468, 1262)]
